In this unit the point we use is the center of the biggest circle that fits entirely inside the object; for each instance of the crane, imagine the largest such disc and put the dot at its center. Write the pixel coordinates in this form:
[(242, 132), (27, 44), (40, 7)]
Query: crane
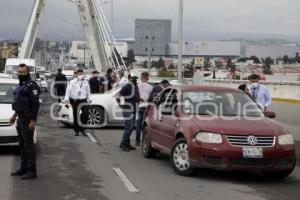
[(98, 33)]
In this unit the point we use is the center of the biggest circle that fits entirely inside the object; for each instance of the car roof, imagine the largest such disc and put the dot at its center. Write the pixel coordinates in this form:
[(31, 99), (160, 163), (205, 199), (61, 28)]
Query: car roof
[(190, 88)]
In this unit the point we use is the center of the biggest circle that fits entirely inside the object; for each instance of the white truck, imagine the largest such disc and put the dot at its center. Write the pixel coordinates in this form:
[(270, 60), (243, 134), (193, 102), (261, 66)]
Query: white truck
[(12, 64)]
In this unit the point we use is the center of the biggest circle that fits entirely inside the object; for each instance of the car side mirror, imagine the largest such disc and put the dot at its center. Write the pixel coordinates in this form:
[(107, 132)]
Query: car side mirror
[(270, 114)]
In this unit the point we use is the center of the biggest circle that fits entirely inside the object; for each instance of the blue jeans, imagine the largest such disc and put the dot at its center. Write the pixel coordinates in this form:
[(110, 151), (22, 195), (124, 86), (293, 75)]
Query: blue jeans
[(129, 126), (139, 124)]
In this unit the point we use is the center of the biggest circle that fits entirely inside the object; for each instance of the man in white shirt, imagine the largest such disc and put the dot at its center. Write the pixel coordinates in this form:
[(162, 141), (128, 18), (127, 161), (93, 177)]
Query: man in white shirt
[(78, 92), (145, 90), (259, 92), (122, 80)]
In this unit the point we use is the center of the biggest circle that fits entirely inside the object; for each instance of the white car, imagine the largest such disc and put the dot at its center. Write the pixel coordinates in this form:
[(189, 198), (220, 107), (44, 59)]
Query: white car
[(42, 83), (8, 133), (103, 109)]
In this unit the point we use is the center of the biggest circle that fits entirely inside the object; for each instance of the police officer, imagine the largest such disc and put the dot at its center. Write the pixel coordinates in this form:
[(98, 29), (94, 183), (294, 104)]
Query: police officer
[(26, 106), (77, 93), (131, 95)]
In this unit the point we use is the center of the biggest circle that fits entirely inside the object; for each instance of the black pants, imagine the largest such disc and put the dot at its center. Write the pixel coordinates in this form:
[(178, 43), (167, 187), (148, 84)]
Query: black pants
[(76, 104), (26, 144)]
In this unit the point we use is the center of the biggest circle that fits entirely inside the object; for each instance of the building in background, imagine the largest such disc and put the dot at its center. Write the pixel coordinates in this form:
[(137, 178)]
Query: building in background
[(273, 51), (80, 52), (152, 35), (8, 50), (231, 49)]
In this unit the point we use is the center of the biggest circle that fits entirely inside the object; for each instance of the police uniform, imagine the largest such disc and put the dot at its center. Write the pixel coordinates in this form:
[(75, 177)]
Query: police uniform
[(78, 92), (26, 106)]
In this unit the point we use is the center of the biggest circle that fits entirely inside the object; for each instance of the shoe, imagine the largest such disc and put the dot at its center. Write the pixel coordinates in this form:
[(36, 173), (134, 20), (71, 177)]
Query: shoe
[(131, 147), (124, 147), (137, 144), (76, 133), (20, 172), (83, 133), (29, 176)]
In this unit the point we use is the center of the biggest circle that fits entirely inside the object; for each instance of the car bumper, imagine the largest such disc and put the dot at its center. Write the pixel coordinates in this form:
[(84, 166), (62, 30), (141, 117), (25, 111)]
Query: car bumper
[(227, 157), (8, 136)]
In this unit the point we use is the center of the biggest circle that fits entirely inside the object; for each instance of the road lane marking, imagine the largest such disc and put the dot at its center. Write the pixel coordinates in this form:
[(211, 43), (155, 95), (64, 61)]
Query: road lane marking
[(92, 138), (125, 180)]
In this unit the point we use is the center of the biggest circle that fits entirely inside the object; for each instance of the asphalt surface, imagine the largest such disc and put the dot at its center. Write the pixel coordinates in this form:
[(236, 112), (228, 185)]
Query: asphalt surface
[(75, 168)]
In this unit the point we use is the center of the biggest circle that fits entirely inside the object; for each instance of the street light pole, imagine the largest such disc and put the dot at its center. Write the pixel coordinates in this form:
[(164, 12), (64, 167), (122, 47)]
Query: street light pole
[(180, 38), (112, 16), (149, 50)]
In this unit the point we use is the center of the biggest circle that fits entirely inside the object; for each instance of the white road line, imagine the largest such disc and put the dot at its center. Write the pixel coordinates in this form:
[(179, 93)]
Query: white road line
[(92, 138), (125, 180)]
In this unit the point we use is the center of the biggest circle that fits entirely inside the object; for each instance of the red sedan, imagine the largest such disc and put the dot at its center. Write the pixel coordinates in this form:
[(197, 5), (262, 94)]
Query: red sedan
[(216, 127)]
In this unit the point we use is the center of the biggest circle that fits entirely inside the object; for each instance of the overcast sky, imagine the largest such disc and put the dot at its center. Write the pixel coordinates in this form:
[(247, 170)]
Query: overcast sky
[(203, 19)]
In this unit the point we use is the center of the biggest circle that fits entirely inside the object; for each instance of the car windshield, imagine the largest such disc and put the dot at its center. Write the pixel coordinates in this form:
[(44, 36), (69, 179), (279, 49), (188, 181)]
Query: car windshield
[(12, 69), (7, 92), (220, 103)]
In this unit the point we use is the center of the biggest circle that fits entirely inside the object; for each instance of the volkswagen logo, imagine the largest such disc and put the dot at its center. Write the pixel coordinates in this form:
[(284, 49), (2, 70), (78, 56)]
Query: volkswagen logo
[(252, 140)]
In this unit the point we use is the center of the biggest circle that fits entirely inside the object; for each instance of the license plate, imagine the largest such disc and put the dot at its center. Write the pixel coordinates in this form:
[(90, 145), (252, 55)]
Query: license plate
[(252, 152)]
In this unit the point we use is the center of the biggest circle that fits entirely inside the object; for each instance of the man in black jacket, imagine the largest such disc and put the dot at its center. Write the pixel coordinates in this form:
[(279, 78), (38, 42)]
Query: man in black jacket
[(60, 84), (95, 83)]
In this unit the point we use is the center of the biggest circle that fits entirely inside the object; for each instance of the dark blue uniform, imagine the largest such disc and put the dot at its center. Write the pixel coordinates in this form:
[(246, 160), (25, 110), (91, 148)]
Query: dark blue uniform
[(131, 94), (26, 105)]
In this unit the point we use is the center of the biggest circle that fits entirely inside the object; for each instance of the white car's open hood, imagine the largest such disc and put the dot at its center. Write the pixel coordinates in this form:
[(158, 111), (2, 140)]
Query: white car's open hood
[(5, 111)]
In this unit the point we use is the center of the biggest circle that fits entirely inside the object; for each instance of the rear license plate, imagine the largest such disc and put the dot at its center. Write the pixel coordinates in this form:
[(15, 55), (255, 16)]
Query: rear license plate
[(252, 152)]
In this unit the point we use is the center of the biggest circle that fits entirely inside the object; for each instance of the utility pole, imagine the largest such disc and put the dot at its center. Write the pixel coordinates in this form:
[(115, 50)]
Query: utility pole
[(180, 38), (149, 50)]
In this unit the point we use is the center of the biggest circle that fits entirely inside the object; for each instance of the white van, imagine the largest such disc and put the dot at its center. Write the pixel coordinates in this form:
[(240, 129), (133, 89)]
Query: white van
[(12, 65)]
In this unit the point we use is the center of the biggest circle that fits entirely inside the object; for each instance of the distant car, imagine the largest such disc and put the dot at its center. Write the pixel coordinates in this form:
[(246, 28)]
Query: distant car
[(42, 83), (8, 133), (103, 110), (205, 126)]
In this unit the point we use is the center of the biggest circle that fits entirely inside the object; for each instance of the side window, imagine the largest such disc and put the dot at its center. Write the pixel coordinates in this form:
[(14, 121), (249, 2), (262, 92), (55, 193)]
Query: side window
[(162, 97), (172, 99)]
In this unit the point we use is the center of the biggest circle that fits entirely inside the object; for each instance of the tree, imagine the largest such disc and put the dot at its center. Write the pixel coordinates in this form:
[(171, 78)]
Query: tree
[(230, 66), (297, 58), (219, 64), (130, 57), (145, 65), (267, 65), (160, 63), (242, 59), (207, 64), (269, 61), (255, 59), (171, 66), (286, 59)]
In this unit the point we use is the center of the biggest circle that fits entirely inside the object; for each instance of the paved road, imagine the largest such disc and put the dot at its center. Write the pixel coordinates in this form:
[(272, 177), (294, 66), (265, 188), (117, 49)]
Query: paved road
[(75, 168)]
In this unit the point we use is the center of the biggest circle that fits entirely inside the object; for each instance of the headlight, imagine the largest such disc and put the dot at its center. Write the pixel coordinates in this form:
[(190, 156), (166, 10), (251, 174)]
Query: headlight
[(286, 139), (206, 137)]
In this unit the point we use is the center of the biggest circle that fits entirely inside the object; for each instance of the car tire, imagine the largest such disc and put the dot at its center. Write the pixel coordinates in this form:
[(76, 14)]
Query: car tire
[(147, 150), (179, 158), (97, 117)]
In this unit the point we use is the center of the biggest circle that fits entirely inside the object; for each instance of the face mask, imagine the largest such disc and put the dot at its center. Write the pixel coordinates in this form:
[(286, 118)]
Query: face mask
[(255, 85), (23, 78), (80, 77)]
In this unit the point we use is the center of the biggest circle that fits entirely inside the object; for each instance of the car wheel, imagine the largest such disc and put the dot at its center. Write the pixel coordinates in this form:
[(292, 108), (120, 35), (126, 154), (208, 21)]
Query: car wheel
[(179, 158), (147, 150), (97, 116)]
